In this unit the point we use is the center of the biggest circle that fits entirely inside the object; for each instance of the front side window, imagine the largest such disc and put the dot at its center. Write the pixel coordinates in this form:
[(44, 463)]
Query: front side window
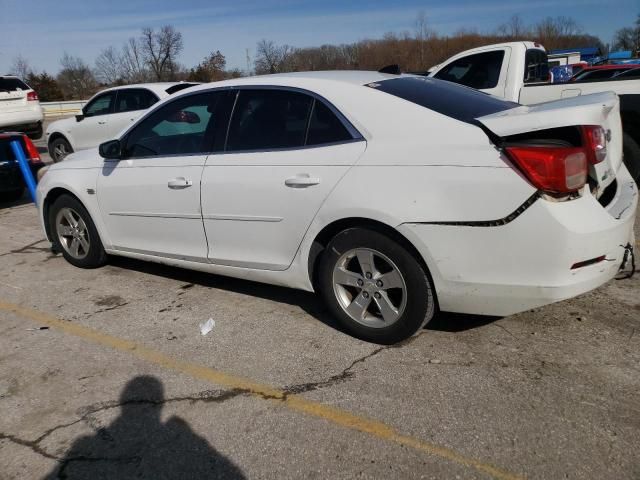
[(269, 119), (132, 99), (186, 126), (479, 71), (101, 105)]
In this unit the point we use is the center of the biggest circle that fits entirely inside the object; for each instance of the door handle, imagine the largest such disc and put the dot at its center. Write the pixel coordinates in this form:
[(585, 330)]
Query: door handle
[(301, 181), (178, 183)]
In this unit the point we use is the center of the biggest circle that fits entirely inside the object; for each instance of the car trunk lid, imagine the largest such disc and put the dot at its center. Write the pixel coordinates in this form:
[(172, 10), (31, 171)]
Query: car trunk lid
[(601, 109)]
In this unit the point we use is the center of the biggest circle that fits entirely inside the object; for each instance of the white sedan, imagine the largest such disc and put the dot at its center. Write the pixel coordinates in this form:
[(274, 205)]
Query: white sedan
[(394, 196), (105, 115)]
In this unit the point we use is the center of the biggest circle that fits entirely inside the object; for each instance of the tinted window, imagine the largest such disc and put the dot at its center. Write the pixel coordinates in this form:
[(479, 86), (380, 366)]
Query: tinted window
[(267, 119), (131, 99), (536, 68), (325, 126), (182, 127), (481, 70), (10, 84), (447, 98), (100, 105)]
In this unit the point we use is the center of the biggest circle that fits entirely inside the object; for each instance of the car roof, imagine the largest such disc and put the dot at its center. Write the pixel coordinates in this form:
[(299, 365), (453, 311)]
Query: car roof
[(156, 87), (303, 79)]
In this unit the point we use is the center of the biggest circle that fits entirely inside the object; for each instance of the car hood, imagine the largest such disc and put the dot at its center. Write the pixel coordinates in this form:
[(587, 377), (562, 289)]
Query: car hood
[(82, 159)]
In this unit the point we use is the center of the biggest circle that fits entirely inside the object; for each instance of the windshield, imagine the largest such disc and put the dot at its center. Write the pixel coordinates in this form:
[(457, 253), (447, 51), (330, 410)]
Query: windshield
[(455, 101)]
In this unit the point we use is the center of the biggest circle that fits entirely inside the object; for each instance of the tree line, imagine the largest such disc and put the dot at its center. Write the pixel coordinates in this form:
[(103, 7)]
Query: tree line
[(154, 55)]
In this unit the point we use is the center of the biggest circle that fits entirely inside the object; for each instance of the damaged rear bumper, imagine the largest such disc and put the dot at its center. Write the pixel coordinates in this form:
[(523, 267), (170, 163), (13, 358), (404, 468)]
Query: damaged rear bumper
[(527, 263)]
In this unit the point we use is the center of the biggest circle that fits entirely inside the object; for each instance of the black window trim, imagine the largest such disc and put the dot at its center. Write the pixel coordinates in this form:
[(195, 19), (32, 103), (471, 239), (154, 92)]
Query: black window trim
[(129, 89), (353, 131)]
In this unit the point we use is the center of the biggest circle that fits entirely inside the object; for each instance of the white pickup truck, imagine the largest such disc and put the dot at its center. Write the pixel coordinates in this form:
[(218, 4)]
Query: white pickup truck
[(519, 71)]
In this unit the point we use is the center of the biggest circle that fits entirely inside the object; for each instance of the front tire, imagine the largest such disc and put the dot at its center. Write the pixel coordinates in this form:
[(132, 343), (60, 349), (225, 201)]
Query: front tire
[(59, 148), (375, 287), (74, 233)]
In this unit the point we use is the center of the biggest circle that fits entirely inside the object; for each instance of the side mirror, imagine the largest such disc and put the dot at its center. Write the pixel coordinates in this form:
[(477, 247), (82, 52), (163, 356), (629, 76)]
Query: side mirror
[(79, 118), (111, 150)]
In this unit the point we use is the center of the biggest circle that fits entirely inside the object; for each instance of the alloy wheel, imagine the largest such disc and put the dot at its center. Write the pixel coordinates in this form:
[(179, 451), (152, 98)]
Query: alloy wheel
[(72, 233)]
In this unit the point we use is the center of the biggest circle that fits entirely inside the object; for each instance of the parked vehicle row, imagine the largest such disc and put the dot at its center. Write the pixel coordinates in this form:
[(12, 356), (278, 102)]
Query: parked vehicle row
[(105, 115), (20, 108), (518, 72), (393, 196)]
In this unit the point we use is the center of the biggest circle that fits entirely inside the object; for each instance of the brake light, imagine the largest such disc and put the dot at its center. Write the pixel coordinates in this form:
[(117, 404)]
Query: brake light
[(32, 96), (595, 141), (31, 150), (552, 169)]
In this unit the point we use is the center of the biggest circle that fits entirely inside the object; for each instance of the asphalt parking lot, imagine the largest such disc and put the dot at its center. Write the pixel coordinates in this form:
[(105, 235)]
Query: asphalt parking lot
[(104, 374)]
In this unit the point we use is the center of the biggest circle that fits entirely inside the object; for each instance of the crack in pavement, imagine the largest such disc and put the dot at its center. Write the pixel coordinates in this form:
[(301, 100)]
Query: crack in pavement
[(207, 396), (346, 374)]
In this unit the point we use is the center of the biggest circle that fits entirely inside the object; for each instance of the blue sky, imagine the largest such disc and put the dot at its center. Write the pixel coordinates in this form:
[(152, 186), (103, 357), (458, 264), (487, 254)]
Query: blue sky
[(42, 30)]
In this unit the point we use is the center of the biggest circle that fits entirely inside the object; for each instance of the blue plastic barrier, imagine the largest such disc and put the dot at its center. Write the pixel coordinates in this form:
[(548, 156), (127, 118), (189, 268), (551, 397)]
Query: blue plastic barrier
[(23, 163)]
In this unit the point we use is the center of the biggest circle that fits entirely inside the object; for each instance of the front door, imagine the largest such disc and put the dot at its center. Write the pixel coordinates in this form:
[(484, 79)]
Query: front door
[(151, 198)]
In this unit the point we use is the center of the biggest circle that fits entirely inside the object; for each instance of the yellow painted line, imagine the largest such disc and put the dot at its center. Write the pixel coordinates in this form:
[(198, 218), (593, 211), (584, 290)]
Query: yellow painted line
[(293, 402)]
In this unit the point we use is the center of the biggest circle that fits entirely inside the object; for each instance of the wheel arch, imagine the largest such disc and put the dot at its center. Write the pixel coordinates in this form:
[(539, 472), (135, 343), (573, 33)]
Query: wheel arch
[(51, 197), (324, 236)]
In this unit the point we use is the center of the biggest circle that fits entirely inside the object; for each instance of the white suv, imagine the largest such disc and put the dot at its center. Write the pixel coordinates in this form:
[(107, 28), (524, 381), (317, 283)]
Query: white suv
[(105, 115), (20, 108)]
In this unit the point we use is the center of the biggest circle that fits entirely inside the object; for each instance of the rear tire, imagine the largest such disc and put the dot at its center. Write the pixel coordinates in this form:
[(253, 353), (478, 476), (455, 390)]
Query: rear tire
[(59, 148), (74, 234), (631, 151), (377, 290)]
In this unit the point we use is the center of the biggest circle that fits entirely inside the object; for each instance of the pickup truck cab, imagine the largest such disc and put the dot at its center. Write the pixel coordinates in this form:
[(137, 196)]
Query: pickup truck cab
[(519, 72)]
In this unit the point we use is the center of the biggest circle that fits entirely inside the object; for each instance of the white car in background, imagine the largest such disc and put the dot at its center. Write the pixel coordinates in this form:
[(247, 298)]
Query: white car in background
[(394, 196), (105, 115), (20, 109)]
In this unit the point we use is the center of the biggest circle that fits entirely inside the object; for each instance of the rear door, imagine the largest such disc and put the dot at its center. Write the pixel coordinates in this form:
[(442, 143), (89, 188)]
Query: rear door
[(93, 129), (130, 104), (285, 152)]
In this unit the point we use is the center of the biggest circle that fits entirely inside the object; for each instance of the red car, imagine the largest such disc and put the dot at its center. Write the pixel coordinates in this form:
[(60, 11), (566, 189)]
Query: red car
[(600, 72)]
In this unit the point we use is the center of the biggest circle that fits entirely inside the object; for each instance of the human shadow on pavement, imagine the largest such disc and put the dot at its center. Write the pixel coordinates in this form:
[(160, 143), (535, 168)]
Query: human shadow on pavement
[(138, 445)]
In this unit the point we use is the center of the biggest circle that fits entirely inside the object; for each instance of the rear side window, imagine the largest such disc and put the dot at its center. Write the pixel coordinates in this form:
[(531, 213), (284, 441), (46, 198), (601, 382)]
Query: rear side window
[(325, 127), (269, 119), (132, 99), (446, 98), (536, 68), (11, 84), (480, 71), (597, 74)]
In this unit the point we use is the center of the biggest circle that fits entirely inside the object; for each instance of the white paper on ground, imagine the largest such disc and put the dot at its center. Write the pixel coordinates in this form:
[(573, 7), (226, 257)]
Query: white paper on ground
[(206, 327)]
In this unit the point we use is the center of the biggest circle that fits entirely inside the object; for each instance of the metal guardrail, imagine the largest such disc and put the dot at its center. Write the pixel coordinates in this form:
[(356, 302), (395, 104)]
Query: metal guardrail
[(59, 109)]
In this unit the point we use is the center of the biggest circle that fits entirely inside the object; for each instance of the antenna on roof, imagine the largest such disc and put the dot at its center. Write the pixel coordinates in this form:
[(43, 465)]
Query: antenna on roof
[(392, 69)]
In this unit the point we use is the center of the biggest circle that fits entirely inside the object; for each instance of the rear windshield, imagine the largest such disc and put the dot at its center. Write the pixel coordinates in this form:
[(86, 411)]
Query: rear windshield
[(455, 101), (536, 68), (11, 84)]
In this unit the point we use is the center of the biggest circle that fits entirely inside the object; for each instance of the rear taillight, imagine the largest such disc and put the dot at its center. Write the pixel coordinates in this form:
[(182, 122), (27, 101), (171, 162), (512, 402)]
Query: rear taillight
[(552, 169), (32, 96), (31, 150), (595, 141)]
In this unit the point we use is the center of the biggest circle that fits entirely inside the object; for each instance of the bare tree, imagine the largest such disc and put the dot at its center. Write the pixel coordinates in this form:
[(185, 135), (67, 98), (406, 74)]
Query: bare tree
[(109, 66), (160, 51), (423, 33), (21, 67), (272, 58), (76, 80), (514, 28), (132, 63)]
